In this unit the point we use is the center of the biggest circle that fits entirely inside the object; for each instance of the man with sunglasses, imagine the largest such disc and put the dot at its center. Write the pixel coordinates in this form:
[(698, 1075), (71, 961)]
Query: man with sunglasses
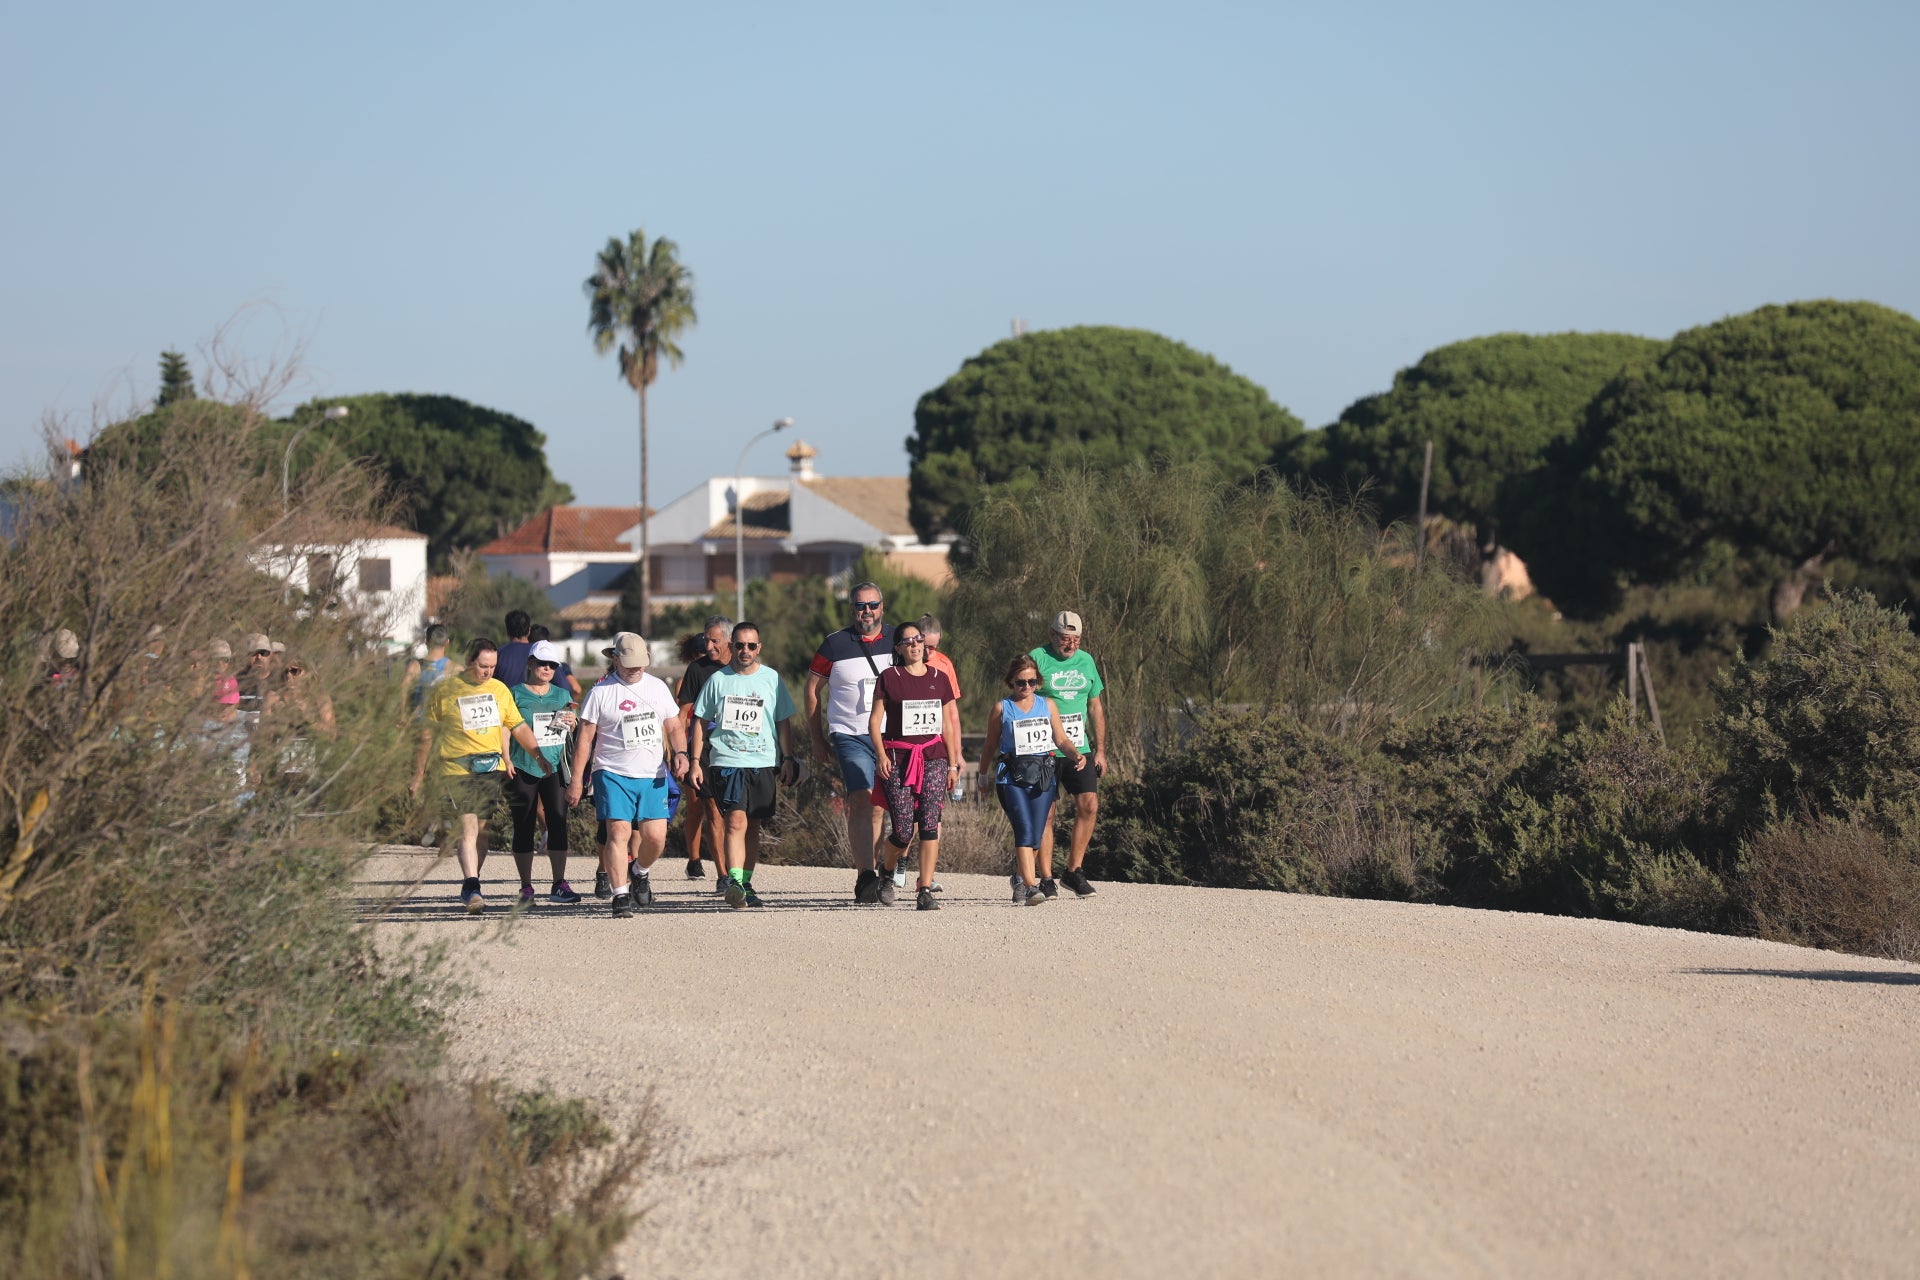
[(1072, 682), (752, 748), (847, 667)]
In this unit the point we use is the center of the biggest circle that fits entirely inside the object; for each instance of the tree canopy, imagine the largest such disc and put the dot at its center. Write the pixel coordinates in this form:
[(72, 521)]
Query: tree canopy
[(1790, 433), (176, 380), (1093, 395), (463, 472), (1492, 406)]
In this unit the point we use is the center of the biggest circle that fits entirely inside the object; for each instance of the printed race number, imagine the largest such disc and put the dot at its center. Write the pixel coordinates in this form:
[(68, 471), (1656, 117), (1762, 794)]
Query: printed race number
[(743, 715), (866, 695), (547, 729), (640, 730), (1032, 737), (479, 711), (1076, 727), (920, 717)]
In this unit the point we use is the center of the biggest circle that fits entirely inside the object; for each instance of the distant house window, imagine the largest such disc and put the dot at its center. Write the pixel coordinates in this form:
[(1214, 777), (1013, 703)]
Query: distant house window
[(320, 574), (376, 575), (683, 573)]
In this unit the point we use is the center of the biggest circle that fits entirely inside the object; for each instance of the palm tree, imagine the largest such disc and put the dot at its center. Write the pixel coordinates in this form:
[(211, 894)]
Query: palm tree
[(640, 299)]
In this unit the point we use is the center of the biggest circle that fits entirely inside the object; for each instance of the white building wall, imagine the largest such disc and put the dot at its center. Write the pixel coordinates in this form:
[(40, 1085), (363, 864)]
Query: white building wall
[(399, 613)]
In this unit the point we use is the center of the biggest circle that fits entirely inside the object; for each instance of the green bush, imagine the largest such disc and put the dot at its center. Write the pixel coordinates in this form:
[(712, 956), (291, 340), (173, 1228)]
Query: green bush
[(1603, 822), (1827, 721)]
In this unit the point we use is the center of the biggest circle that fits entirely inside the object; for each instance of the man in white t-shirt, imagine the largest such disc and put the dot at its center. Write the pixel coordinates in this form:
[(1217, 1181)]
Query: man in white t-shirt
[(629, 726)]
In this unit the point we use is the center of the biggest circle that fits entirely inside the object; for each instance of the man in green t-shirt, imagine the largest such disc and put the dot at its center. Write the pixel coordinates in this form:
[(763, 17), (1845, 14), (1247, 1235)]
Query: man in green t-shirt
[(1070, 679)]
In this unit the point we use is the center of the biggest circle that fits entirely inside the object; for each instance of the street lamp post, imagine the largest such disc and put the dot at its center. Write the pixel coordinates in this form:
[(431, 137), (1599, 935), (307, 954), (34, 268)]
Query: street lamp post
[(333, 414), (739, 521)]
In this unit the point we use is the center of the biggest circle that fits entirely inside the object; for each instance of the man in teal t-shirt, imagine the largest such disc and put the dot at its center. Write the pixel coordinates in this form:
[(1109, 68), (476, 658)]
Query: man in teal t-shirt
[(1069, 677), (752, 717)]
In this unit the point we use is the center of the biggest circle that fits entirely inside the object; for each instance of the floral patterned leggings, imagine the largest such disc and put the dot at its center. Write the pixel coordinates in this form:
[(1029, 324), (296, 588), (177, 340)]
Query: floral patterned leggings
[(908, 807)]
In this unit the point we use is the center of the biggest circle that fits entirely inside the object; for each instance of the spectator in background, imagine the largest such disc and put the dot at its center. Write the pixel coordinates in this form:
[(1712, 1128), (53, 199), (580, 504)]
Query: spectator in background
[(512, 667), (251, 683)]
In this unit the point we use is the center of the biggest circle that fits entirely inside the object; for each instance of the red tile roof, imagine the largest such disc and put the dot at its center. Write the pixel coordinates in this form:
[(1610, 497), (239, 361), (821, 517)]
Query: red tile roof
[(568, 529)]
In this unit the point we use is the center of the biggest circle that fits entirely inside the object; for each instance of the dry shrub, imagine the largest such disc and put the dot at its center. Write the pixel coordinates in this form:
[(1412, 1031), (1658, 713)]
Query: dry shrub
[(1845, 884), (179, 958)]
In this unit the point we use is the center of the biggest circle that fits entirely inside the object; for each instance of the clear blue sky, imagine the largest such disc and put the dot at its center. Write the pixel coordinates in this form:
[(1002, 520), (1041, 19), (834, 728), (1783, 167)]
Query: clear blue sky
[(869, 194)]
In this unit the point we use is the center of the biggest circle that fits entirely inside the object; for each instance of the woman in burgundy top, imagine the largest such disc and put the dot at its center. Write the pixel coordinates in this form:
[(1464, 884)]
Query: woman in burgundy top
[(915, 729)]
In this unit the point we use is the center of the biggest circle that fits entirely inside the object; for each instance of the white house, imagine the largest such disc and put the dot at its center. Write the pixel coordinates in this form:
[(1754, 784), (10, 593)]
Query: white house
[(796, 525), (381, 572)]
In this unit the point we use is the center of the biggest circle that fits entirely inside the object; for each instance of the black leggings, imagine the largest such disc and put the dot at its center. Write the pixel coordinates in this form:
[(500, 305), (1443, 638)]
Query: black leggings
[(522, 790)]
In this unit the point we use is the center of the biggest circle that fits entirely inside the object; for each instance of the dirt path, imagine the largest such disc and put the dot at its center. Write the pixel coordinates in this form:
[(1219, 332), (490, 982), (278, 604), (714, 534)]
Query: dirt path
[(1175, 1082)]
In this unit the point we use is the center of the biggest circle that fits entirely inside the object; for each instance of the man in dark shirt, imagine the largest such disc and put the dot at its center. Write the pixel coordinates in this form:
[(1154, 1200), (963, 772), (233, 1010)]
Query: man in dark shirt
[(703, 810), (511, 668)]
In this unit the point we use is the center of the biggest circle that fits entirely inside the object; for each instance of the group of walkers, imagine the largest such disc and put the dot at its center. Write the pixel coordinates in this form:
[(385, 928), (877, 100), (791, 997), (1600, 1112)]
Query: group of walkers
[(881, 707)]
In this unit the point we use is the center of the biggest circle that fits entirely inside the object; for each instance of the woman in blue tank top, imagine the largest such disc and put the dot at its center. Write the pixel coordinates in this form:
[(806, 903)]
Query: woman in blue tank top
[(1026, 729)]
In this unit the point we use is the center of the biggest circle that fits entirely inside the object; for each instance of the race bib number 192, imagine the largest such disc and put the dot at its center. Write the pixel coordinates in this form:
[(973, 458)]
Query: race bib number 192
[(1032, 737)]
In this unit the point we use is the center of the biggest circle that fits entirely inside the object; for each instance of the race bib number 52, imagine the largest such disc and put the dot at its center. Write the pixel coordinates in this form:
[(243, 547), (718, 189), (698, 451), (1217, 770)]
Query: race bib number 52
[(479, 711), (1076, 727)]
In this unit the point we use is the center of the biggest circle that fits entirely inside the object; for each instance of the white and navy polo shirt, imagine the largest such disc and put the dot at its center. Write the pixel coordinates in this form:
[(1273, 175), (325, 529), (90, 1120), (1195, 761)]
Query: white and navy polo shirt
[(852, 667)]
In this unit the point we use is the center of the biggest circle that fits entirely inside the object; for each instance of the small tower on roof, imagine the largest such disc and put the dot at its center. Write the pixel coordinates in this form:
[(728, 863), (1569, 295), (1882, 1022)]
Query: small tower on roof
[(800, 460)]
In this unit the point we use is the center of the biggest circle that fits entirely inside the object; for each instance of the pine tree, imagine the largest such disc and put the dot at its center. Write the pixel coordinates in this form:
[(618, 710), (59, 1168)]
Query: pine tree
[(176, 380)]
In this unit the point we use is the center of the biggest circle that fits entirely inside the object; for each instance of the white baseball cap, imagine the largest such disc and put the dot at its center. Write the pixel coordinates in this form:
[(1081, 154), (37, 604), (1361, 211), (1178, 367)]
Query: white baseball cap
[(545, 651)]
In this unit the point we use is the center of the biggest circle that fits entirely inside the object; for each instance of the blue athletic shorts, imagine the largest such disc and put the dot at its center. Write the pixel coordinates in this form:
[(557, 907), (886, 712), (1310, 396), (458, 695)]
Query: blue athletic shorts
[(621, 799), (857, 763)]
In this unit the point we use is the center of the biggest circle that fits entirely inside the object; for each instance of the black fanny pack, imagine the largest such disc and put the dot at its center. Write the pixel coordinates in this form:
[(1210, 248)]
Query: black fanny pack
[(1035, 773)]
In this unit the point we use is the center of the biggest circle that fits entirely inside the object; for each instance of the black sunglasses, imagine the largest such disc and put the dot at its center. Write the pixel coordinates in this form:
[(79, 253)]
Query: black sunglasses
[(1026, 684), (750, 646), (868, 604)]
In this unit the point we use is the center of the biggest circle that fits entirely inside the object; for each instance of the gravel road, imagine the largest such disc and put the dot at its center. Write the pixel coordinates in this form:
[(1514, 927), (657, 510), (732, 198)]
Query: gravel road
[(1167, 1082)]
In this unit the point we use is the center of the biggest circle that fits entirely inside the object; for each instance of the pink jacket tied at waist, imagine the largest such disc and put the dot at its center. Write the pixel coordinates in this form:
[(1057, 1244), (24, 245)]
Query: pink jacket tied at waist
[(917, 762)]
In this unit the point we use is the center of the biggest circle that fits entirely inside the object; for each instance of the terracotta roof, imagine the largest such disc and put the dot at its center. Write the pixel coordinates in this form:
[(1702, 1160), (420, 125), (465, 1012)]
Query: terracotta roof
[(879, 500), (588, 610), (568, 529), (769, 515)]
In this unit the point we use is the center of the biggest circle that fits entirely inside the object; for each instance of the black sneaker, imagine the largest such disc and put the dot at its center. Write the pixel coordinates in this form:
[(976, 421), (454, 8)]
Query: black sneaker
[(886, 890), (1030, 895), (925, 901), (736, 893), (602, 887), (642, 890), (1050, 887), (622, 906), (753, 899), (1077, 881), (696, 869), (720, 885), (867, 887)]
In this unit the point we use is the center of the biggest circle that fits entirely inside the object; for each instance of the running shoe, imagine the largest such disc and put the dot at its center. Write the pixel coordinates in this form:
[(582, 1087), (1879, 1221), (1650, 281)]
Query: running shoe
[(696, 869), (720, 885), (641, 890), (602, 887), (470, 898), (900, 875), (736, 894), (562, 892), (867, 887), (753, 899), (622, 906), (1032, 895), (1019, 890), (1077, 881), (1050, 887), (925, 901), (527, 897), (886, 891)]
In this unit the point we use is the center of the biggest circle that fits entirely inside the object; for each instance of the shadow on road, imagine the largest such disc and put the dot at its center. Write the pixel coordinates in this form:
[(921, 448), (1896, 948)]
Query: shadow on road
[(1882, 976)]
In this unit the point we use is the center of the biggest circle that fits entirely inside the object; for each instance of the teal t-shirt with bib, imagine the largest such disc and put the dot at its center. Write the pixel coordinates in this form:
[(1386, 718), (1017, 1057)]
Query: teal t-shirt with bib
[(1071, 683), (539, 709), (744, 712)]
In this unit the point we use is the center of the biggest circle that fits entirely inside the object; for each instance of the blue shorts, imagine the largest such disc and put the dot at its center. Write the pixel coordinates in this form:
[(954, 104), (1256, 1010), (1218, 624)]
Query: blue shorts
[(622, 799), (857, 762)]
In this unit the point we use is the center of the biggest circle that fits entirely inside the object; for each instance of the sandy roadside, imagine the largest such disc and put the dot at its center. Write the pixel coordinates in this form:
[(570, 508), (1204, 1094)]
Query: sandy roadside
[(1157, 1082)]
